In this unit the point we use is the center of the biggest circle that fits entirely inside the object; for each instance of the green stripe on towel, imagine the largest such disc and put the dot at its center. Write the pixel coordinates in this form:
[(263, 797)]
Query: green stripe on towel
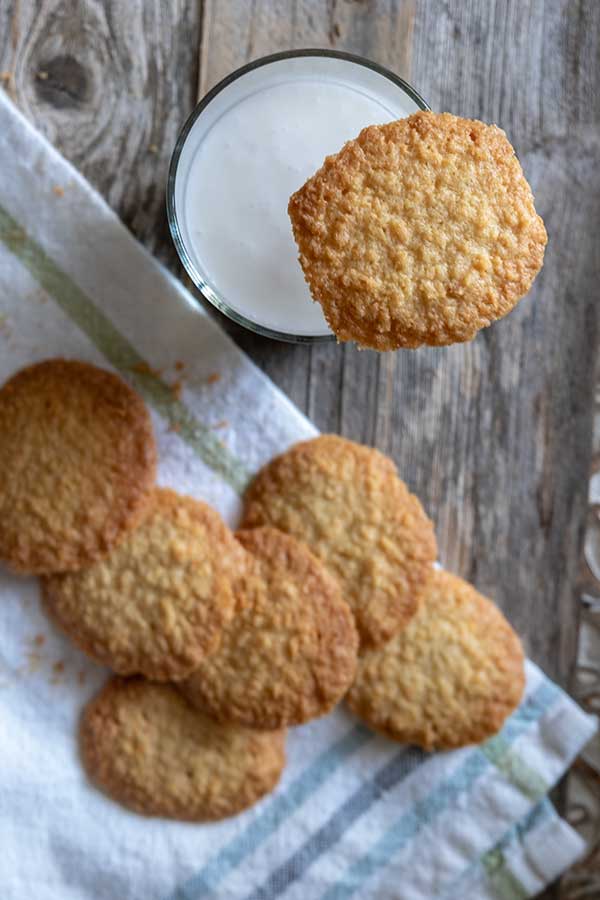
[(500, 879), (514, 768), (119, 352)]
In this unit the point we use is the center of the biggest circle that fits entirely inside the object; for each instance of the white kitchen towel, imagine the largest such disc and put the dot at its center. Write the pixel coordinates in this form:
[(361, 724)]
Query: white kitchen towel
[(355, 814)]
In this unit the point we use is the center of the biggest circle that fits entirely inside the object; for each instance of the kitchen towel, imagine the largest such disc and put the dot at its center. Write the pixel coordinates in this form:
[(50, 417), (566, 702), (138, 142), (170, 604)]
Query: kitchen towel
[(355, 815)]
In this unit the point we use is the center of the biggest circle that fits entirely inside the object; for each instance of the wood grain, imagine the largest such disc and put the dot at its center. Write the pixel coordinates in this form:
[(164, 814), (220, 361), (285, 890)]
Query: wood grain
[(493, 435), (108, 83)]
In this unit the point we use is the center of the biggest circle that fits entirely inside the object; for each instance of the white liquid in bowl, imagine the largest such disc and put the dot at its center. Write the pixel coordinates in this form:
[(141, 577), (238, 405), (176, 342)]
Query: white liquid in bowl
[(241, 162)]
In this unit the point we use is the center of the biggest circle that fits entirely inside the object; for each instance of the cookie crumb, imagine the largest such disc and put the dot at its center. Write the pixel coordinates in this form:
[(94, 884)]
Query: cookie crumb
[(143, 368), (58, 670), (179, 366), (81, 677), (152, 148), (222, 423), (176, 389), (39, 640), (8, 79), (174, 427), (213, 378), (58, 191)]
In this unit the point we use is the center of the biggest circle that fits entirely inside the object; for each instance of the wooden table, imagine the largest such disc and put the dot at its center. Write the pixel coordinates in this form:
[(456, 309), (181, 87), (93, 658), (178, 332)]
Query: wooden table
[(494, 435)]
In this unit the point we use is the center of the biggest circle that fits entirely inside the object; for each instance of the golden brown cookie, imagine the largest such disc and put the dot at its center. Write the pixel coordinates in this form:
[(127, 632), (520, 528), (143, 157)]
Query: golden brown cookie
[(157, 605), (421, 231), (77, 465), (290, 654), (348, 504), (450, 678), (148, 749)]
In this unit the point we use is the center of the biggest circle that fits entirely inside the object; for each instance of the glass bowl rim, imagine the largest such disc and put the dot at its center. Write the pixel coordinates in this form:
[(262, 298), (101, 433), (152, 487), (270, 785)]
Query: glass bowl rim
[(197, 279)]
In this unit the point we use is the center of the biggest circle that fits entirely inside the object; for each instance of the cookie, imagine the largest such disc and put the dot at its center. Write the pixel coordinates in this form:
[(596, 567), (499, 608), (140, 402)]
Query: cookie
[(421, 231), (348, 504), (147, 748), (450, 678), (290, 654), (157, 605), (77, 464)]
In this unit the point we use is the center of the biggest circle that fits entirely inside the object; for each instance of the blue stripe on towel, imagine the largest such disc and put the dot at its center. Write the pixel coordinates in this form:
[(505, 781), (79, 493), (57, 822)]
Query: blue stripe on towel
[(398, 768), (278, 810), (443, 797)]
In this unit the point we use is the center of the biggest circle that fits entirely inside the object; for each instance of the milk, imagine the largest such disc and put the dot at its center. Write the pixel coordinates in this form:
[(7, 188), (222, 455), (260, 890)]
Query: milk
[(249, 149)]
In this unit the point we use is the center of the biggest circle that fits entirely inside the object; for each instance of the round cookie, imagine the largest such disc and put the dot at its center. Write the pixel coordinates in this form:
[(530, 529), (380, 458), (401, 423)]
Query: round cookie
[(348, 504), (148, 749), (421, 231), (289, 654), (157, 605), (77, 465), (450, 678)]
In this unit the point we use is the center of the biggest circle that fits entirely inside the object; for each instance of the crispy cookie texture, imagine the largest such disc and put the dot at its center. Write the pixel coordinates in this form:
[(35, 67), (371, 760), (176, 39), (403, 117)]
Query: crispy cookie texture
[(147, 748), (421, 231), (158, 604), (290, 654), (450, 679), (348, 504), (77, 465)]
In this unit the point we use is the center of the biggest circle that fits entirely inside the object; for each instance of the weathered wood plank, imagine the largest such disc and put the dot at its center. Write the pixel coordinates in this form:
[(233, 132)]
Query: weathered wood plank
[(516, 415), (109, 84)]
